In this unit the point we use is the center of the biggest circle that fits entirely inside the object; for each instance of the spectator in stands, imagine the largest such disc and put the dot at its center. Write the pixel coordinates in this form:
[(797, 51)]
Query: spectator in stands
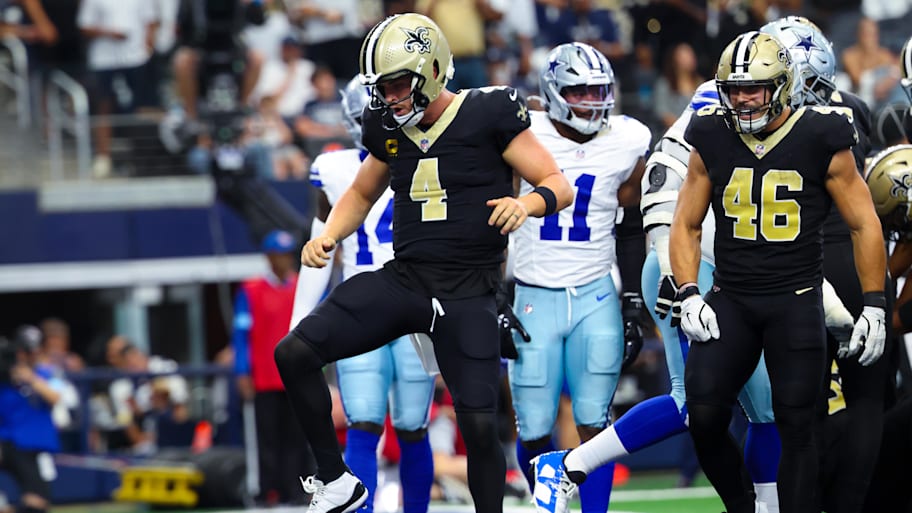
[(463, 24), (56, 336), (267, 128), (288, 79), (32, 26), (262, 313), (64, 410), (164, 43), (332, 31), (27, 433), (121, 36), (511, 44), (322, 117), (142, 404), (677, 84), (873, 68), (267, 38)]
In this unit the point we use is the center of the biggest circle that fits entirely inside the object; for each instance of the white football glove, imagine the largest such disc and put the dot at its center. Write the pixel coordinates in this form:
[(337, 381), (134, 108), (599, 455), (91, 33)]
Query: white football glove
[(870, 331), (839, 321), (698, 320)]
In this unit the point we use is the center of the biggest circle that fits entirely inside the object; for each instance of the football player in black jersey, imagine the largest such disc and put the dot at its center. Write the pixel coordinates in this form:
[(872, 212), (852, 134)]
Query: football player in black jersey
[(449, 158), (889, 176), (770, 173), (843, 486)]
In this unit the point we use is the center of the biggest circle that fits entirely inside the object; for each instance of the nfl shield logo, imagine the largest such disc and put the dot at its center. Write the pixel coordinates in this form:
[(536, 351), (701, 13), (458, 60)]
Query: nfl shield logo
[(424, 144), (528, 308), (759, 149), (580, 154)]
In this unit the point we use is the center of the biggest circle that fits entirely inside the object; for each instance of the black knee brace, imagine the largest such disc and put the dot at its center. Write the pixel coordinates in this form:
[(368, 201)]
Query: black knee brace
[(536, 445), (294, 354), (411, 436)]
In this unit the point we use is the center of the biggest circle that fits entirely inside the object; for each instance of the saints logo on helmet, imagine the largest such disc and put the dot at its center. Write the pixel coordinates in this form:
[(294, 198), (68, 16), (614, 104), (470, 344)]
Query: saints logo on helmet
[(889, 176), (406, 45), (905, 60), (577, 83), (754, 59), (355, 97), (813, 60)]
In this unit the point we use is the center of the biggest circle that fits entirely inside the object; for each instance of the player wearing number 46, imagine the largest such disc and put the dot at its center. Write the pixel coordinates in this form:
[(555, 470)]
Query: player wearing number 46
[(449, 159), (770, 173), (565, 295)]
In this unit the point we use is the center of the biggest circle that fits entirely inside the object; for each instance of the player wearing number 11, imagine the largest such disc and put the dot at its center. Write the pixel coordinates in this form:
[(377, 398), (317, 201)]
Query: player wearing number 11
[(449, 159), (565, 295), (770, 173)]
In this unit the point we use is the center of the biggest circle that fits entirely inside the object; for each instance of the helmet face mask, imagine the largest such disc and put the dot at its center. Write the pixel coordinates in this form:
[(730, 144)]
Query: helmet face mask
[(812, 57), (577, 83), (889, 177), (355, 97), (754, 60), (405, 45)]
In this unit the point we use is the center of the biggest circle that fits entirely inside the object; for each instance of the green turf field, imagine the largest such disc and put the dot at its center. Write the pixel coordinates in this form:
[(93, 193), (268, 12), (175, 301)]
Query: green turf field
[(645, 492)]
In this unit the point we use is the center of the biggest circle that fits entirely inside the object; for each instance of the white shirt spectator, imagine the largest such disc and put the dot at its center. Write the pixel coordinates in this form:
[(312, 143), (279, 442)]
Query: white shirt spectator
[(318, 30), (267, 38), (128, 17), (166, 16), (299, 92)]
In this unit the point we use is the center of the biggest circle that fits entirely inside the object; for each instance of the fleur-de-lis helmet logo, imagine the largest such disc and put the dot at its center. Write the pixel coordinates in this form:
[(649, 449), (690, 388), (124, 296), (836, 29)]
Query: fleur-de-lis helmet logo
[(417, 40)]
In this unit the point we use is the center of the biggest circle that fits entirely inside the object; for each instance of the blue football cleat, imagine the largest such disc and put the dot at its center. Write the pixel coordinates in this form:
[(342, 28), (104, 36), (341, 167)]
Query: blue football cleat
[(553, 489)]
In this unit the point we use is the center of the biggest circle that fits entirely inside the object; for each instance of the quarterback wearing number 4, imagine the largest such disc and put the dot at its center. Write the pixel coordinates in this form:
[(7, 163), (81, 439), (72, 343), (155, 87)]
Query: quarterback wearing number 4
[(770, 173), (449, 159)]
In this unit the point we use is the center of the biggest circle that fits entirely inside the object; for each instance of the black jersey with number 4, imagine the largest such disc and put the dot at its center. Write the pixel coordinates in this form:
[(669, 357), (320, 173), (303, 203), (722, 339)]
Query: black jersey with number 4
[(769, 196), (442, 177)]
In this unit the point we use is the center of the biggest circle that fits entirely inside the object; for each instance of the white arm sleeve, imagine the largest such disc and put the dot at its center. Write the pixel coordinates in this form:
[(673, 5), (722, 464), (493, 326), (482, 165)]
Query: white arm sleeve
[(312, 282), (665, 171)]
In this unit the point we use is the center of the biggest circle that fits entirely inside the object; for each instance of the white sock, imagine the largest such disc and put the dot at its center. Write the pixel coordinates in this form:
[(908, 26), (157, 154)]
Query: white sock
[(604, 447), (769, 494)]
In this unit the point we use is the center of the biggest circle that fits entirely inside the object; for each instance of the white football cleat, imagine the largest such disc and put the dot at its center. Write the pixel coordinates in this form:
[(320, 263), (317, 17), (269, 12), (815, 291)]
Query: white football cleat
[(342, 495)]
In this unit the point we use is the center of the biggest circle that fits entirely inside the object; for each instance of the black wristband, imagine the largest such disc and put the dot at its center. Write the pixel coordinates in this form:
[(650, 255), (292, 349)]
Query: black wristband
[(687, 292), (875, 299), (549, 197)]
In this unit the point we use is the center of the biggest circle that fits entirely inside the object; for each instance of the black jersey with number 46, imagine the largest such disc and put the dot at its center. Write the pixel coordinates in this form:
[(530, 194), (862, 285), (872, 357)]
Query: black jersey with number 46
[(769, 196), (442, 177)]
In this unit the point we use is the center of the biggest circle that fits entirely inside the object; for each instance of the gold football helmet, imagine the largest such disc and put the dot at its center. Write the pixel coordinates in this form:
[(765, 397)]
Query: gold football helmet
[(754, 59), (406, 44), (889, 176), (905, 60)]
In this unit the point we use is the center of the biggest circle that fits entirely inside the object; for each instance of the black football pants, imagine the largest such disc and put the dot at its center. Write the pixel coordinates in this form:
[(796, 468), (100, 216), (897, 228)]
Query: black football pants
[(366, 312), (789, 329)]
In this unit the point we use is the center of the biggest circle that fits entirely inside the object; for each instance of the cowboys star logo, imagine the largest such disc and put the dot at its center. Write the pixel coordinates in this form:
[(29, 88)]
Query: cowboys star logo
[(417, 40)]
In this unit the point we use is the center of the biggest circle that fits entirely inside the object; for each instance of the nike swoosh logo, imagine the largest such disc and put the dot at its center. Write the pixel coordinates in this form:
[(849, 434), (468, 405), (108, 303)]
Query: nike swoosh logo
[(599, 298), (802, 291), (513, 95)]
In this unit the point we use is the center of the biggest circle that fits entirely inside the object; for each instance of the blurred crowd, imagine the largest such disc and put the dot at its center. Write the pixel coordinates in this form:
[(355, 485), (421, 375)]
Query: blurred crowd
[(126, 53)]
